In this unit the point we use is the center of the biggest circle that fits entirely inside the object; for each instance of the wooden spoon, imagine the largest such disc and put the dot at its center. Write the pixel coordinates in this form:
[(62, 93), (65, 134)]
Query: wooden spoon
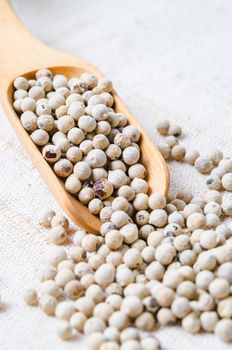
[(22, 54)]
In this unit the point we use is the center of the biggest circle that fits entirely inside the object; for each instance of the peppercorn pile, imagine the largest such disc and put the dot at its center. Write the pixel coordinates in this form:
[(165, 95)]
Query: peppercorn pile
[(158, 261), (88, 144)]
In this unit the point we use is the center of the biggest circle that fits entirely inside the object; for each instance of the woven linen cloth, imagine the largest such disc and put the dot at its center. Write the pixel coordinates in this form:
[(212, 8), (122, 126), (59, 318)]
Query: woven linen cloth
[(167, 59)]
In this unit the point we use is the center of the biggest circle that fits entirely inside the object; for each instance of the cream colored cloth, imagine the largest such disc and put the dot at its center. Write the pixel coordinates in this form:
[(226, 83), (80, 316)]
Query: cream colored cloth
[(167, 58)]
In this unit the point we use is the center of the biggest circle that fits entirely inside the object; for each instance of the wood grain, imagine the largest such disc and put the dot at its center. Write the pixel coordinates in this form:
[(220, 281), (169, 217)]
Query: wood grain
[(22, 54)]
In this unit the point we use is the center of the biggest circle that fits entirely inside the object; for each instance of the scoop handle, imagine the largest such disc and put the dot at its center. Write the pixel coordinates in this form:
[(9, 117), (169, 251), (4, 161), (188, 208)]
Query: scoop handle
[(21, 52)]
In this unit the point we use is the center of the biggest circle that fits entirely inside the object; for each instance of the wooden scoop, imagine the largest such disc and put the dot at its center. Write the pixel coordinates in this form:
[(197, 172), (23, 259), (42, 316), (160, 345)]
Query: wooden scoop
[(22, 54)]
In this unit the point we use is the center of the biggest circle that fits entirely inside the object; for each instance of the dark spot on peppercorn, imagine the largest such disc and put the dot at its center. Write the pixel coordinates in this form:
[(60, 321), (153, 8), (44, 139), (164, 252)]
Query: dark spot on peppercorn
[(209, 181), (152, 305), (50, 154), (169, 234), (99, 188)]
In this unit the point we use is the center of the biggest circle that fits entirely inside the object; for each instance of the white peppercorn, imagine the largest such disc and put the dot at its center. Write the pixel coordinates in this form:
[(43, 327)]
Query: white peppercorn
[(96, 293), (219, 171), (56, 100), (57, 235), (203, 164), (164, 296), (150, 343), (59, 80), (29, 121), (132, 133), (223, 330), (75, 110), (142, 217), (206, 261), (171, 141), (94, 324), (77, 321), (64, 310), (94, 341), (105, 275), (180, 307), (40, 137), (158, 218), (17, 105), (109, 100), (30, 296), (188, 273), (110, 345), (95, 261), (95, 206), (137, 170), (187, 289), (145, 322), (139, 244), (130, 155), (219, 288), (46, 273), (96, 158), (165, 316), (118, 319), (64, 330), (46, 216), (156, 201), (111, 334), (213, 182), (172, 278), (129, 233), (164, 149), (191, 323), (226, 164), (155, 271), (66, 264), (59, 220), (56, 255), (64, 276), (117, 177), (27, 104), (21, 83), (114, 258), (227, 181), (209, 320), (87, 123), (225, 271), (51, 153), (213, 196), (163, 127), (132, 258), (103, 311), (85, 305), (36, 93), (178, 152), (224, 308), (132, 306), (187, 257), (63, 167), (114, 288), (106, 213), (45, 83), (81, 269), (208, 239), (48, 304), (119, 218), (195, 221), (124, 276)]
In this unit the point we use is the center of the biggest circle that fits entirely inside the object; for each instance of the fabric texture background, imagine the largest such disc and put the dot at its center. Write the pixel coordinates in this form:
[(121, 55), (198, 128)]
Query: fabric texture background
[(167, 58)]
